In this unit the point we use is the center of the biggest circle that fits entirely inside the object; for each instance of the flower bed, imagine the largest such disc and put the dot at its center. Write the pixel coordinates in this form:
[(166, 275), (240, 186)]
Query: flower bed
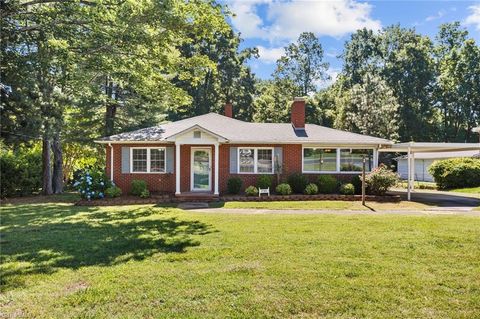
[(125, 200)]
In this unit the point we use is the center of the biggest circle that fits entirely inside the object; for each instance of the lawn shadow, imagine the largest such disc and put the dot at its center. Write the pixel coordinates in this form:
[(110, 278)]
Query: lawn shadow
[(43, 238)]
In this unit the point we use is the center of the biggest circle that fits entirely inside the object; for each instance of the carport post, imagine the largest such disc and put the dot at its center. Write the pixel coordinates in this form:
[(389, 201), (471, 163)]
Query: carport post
[(413, 171), (409, 172)]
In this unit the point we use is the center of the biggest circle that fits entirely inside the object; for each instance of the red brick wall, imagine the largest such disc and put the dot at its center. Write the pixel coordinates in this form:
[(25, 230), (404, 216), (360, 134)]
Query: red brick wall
[(292, 162), (155, 182)]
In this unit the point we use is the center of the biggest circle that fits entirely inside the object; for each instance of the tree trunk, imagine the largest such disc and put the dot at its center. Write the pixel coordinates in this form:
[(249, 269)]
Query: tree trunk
[(110, 108), (57, 178), (47, 173)]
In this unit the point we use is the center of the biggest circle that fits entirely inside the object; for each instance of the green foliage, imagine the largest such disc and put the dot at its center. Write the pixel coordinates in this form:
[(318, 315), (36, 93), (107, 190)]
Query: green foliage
[(234, 185), (327, 184), (138, 186), (303, 64), (92, 183), (311, 189), (113, 191), (456, 172), (145, 193), (356, 181), (251, 191), (283, 189), (20, 171), (380, 180), (347, 189), (264, 181), (298, 182)]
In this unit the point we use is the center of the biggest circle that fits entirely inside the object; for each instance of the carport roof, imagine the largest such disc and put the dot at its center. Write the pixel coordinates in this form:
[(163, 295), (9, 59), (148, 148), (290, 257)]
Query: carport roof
[(431, 147)]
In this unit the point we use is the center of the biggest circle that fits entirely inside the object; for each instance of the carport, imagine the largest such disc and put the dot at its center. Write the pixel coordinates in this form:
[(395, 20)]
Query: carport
[(419, 147)]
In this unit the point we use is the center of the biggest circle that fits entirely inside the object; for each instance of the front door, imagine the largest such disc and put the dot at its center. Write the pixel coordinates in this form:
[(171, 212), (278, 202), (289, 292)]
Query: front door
[(201, 169)]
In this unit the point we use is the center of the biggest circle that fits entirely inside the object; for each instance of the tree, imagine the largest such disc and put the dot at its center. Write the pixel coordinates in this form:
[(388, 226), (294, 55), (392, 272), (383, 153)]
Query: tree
[(303, 64), (227, 78), (457, 85), (273, 103), (371, 109)]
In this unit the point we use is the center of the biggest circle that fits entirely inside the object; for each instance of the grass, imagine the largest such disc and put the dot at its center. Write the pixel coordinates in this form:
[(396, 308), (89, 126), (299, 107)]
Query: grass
[(63, 261), (467, 190), (323, 205)]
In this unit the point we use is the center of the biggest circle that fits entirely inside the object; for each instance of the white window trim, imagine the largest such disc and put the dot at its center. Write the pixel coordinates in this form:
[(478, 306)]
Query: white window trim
[(255, 160), (338, 159), (149, 160)]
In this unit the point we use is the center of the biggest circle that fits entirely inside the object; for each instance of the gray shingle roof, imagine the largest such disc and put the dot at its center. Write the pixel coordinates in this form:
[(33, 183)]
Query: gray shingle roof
[(236, 131)]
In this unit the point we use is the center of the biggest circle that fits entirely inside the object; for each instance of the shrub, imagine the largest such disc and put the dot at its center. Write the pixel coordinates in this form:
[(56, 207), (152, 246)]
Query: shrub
[(380, 180), (138, 187), (311, 189), (283, 189), (92, 183), (113, 191), (297, 182), (327, 184), (20, 171), (347, 189), (145, 194), (356, 181), (234, 185), (251, 191), (264, 181), (456, 172)]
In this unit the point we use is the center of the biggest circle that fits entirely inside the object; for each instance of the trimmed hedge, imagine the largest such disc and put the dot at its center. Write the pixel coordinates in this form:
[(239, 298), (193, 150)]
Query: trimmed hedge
[(327, 184), (297, 182), (234, 185), (456, 172)]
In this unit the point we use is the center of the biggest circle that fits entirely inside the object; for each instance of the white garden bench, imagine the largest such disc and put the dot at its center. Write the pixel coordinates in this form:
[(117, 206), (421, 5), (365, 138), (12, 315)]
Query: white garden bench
[(263, 191)]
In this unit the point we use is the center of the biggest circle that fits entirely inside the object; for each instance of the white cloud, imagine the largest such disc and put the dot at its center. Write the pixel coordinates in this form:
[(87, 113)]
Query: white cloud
[(270, 55), (285, 20), (474, 17), (437, 16)]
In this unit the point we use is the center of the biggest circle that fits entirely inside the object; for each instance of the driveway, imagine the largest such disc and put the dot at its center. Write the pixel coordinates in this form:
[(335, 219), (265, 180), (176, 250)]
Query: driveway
[(442, 199)]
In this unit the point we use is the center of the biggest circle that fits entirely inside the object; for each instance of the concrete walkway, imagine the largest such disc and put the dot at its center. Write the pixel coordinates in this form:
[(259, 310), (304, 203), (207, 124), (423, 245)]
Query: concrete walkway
[(419, 212)]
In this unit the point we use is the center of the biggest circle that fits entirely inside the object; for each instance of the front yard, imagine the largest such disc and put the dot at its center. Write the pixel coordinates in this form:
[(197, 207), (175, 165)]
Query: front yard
[(63, 261)]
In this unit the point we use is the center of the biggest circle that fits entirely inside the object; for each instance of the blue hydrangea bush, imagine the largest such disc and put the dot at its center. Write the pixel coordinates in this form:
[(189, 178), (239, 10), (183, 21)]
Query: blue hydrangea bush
[(92, 183)]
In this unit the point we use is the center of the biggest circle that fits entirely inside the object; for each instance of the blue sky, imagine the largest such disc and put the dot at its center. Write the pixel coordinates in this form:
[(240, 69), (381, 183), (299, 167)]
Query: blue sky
[(270, 25)]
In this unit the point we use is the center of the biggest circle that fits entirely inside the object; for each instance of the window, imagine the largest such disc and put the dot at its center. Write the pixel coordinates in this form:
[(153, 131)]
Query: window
[(139, 160), (319, 160), (255, 160), (157, 160), (246, 160), (351, 160), (197, 134), (148, 160), (264, 161)]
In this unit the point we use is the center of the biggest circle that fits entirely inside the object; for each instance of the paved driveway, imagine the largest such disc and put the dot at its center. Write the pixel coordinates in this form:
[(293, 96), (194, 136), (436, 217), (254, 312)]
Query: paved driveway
[(442, 199)]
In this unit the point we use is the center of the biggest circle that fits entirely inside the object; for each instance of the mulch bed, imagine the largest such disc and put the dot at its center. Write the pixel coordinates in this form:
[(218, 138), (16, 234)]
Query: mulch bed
[(134, 200)]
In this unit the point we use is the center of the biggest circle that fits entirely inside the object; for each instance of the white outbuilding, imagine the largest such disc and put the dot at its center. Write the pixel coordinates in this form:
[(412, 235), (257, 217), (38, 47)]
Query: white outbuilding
[(424, 160)]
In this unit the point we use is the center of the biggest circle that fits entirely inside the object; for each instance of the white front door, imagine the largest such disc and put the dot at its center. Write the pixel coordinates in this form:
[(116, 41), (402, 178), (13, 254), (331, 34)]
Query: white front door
[(201, 173)]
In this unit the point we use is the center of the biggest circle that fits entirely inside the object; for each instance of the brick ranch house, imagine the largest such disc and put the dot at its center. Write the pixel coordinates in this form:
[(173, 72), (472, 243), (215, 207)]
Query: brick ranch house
[(198, 155)]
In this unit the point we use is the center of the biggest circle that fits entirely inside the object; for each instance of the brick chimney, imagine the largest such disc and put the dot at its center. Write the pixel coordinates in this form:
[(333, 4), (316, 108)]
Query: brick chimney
[(228, 111), (298, 113)]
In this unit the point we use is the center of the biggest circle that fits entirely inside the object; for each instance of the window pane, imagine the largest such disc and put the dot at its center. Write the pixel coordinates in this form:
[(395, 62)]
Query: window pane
[(351, 160), (317, 159), (264, 161), (139, 160), (157, 160), (246, 160)]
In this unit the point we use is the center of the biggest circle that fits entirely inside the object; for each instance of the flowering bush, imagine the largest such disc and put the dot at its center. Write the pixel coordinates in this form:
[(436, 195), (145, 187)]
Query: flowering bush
[(380, 180), (91, 184)]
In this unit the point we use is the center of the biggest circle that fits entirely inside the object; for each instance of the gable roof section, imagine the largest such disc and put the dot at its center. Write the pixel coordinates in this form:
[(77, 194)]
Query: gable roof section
[(236, 131)]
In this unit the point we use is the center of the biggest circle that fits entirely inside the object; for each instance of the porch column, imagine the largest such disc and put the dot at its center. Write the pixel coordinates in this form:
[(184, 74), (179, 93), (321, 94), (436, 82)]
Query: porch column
[(216, 170), (177, 168), (111, 161)]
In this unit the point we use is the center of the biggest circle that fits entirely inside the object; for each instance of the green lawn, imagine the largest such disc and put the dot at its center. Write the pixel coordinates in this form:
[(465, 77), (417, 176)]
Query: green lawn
[(62, 261), (468, 190)]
